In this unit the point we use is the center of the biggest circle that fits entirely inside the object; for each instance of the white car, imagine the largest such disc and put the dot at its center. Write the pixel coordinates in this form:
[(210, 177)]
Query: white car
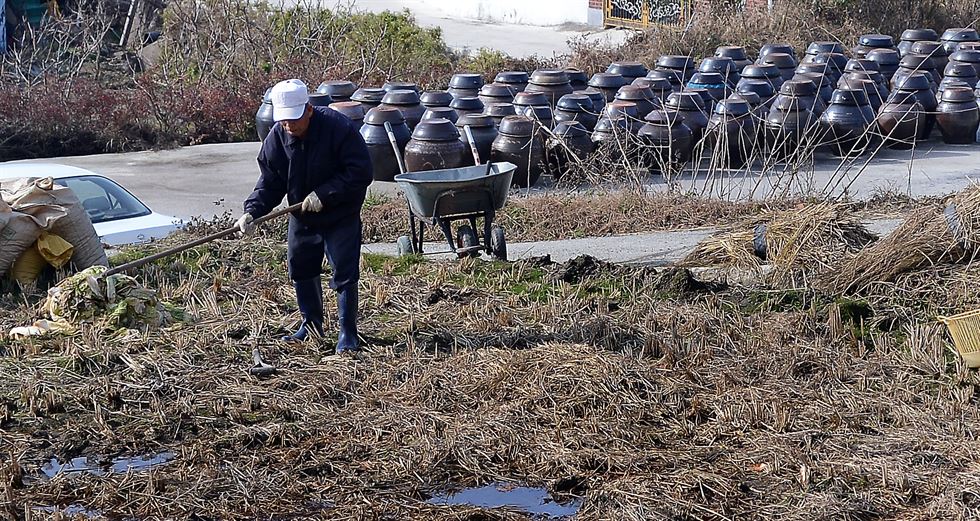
[(119, 217)]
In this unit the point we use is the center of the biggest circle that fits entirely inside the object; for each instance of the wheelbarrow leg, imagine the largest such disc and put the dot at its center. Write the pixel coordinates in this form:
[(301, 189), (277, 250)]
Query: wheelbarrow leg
[(418, 232), (487, 222), (448, 232)]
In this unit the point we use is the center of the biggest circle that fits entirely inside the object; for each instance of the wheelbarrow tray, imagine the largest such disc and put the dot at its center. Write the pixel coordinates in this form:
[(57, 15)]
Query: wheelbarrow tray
[(458, 191)]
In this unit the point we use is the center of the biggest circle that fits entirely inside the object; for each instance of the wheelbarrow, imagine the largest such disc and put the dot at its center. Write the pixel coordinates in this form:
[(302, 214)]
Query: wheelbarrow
[(440, 197)]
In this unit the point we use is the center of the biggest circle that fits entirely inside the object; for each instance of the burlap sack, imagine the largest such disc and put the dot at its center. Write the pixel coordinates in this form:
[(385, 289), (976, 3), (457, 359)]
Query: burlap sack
[(18, 232)]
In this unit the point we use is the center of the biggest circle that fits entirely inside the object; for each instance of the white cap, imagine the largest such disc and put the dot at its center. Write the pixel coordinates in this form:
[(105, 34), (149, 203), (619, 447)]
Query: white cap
[(289, 99)]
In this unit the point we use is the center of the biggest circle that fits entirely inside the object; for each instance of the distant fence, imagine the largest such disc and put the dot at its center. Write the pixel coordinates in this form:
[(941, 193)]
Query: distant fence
[(640, 14)]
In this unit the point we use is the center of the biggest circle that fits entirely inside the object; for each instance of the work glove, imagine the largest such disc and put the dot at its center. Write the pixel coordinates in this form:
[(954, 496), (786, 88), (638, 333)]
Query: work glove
[(312, 203), (245, 224)]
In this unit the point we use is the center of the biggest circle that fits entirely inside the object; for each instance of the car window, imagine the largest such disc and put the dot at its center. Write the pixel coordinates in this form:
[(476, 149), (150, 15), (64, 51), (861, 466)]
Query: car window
[(103, 199)]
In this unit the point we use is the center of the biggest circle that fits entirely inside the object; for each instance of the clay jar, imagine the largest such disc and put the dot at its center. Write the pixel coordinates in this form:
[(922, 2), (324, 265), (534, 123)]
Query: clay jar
[(467, 105), (435, 98), (835, 64), (919, 86), (352, 109), (496, 93), (824, 88), (910, 36), (970, 56), (608, 84), (577, 78), (552, 83), (660, 87), (625, 110), (958, 71), (518, 143), (319, 100), (761, 88), (671, 77), (731, 132), (816, 48), (845, 122), (782, 61), (628, 70), (576, 107), (516, 80), (805, 91), (542, 115), (869, 42), (598, 98), (712, 82), (370, 97), (484, 132), (263, 116), (529, 99), (935, 50), (770, 48), (400, 85), (724, 66), (668, 142), (899, 120), (338, 90), (499, 111), (691, 108), (683, 65), (435, 145), (875, 99), (406, 101), (917, 63), (465, 85), (440, 112), (958, 116), (955, 36), (379, 148), (570, 140), (643, 97), (786, 126), (736, 53), (887, 60), (763, 72)]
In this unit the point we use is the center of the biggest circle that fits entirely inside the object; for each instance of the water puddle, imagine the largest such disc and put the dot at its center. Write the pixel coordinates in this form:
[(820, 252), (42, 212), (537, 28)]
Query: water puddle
[(535, 501), (71, 511), (120, 465)]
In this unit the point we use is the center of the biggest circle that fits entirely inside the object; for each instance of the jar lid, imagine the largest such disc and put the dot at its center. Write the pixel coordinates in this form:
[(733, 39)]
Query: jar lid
[(319, 99), (520, 126), (467, 103), (499, 110), (380, 115), (570, 129), (761, 71), (436, 98), (475, 121), (836, 61), (876, 40), (634, 93), (511, 77), (368, 95), (632, 69), (607, 80), (676, 62), (861, 65), (549, 77), (915, 81), (763, 88), (401, 97), (539, 112), (966, 56), (660, 118), (575, 103), (960, 70), (734, 52), (853, 97), (531, 98), (337, 88), (724, 65), (751, 98), (576, 75), (466, 80), (497, 90), (816, 68), (798, 88), (961, 34), (605, 125), (915, 35), (707, 79), (400, 85), (779, 59), (685, 101), (620, 108), (920, 62), (884, 56), (597, 97), (932, 48), (440, 113), (777, 47), (959, 94), (654, 84), (351, 109), (825, 47), (437, 129), (735, 107)]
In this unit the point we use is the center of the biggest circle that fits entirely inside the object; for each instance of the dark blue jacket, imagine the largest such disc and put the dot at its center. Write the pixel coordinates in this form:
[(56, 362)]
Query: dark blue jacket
[(331, 160)]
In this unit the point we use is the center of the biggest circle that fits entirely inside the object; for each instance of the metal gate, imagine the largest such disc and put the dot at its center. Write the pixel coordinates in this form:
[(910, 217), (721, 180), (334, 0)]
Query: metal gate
[(640, 14)]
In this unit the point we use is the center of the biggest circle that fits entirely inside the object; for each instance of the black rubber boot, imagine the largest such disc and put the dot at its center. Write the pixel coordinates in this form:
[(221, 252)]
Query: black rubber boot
[(347, 313), (309, 297)]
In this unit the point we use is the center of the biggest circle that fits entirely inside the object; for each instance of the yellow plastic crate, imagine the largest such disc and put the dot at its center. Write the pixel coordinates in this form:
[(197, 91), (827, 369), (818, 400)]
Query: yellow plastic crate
[(965, 330)]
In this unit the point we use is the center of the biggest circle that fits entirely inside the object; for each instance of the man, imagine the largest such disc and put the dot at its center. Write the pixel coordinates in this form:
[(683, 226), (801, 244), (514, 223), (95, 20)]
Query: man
[(315, 155)]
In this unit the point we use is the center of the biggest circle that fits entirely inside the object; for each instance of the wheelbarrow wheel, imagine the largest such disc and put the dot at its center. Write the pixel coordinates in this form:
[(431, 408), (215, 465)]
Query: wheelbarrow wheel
[(405, 246), (498, 244), (466, 239)]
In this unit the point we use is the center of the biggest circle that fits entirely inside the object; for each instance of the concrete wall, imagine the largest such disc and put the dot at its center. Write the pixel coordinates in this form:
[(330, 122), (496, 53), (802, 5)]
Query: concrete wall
[(531, 12)]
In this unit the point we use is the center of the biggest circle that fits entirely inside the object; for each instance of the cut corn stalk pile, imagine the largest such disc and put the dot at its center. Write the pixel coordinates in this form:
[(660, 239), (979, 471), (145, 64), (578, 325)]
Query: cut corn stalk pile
[(659, 396)]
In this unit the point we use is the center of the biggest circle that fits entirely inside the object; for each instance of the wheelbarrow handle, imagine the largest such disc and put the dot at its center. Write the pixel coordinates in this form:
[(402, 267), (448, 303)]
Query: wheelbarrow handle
[(394, 145), (197, 242), (474, 150)]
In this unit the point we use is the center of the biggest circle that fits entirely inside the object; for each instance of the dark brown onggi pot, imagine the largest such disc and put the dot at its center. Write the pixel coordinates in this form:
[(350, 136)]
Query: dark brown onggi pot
[(643, 97), (724, 66), (824, 88), (576, 107), (816, 48), (706, 97), (958, 116), (970, 56), (959, 72), (955, 36), (868, 42), (370, 97), (668, 142), (845, 123), (764, 72), (899, 121), (608, 84), (578, 79), (777, 47), (912, 63), (919, 85), (674, 78), (658, 86), (787, 125), (628, 70), (910, 36), (625, 110), (383, 157), (517, 80), (754, 101), (338, 90), (597, 97), (736, 53), (613, 137), (690, 106), (731, 133), (784, 62), (530, 99), (465, 85), (263, 116), (887, 60), (496, 93), (552, 83), (467, 105), (948, 82), (542, 115), (435, 145), (761, 88), (484, 131), (935, 50), (352, 109), (805, 91), (400, 85), (440, 113), (406, 101), (319, 100), (684, 65), (435, 98), (519, 143), (714, 85), (875, 99), (835, 64), (570, 141), (499, 111)]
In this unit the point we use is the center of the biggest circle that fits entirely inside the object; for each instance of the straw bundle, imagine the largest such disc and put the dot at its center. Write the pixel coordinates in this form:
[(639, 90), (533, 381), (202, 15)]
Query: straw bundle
[(935, 234), (792, 242)]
